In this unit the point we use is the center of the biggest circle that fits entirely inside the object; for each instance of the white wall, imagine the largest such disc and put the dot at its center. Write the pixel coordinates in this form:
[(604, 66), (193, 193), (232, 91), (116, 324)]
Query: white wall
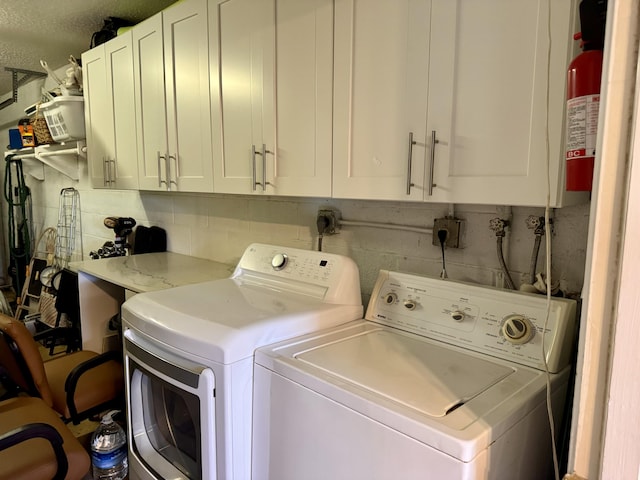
[(219, 227)]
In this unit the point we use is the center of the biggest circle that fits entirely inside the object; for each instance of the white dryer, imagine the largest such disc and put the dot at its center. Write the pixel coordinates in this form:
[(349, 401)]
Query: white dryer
[(189, 356), (441, 380)]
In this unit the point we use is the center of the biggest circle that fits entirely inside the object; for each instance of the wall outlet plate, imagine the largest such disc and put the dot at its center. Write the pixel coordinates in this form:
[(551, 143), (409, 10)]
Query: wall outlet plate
[(452, 227), (332, 220)]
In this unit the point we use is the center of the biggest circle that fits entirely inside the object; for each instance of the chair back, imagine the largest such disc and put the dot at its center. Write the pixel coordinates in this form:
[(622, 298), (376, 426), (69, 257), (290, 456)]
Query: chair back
[(68, 296), (21, 359), (68, 303)]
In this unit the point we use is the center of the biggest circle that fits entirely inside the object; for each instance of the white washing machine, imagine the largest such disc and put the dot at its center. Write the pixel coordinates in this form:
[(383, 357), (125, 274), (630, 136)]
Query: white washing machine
[(440, 381), (189, 356)]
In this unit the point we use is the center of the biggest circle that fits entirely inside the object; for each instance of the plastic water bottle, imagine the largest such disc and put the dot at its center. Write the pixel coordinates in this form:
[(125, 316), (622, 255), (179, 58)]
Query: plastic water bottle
[(109, 450)]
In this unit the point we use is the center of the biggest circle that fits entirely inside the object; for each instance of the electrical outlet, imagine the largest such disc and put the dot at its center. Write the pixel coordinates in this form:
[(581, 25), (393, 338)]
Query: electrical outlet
[(330, 220), (452, 227)]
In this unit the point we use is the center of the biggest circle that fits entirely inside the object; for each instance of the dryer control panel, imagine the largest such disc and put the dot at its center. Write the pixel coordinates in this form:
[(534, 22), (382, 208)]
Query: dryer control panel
[(324, 276), (503, 323)]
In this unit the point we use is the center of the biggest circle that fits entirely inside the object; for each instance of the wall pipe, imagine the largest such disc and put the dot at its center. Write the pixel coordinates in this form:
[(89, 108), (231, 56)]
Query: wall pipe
[(389, 226)]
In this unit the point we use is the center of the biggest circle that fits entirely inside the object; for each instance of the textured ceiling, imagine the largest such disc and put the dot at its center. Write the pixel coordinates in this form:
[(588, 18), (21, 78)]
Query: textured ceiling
[(51, 30)]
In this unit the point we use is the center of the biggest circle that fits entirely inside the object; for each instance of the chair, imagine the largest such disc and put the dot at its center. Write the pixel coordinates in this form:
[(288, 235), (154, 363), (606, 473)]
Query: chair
[(36, 445), (77, 385), (67, 302)]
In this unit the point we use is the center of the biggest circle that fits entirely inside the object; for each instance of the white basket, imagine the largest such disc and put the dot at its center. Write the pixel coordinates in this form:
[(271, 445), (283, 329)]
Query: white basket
[(65, 118)]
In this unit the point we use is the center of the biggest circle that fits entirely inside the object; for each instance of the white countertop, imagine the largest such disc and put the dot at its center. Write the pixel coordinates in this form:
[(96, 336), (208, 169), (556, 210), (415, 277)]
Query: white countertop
[(153, 271)]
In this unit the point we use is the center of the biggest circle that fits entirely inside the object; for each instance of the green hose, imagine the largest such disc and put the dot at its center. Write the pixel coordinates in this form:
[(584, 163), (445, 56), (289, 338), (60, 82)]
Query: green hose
[(18, 196)]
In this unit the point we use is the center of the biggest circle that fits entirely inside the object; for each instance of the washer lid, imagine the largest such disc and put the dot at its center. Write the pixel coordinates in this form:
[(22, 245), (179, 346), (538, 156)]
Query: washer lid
[(431, 379)]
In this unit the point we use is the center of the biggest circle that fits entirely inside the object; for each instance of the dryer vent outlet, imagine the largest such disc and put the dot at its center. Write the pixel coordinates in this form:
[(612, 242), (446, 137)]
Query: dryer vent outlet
[(452, 228)]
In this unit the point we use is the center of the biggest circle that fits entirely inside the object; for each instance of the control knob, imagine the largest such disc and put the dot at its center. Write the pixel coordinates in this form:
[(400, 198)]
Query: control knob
[(410, 304), (517, 329), (390, 298), (457, 315), (279, 261)]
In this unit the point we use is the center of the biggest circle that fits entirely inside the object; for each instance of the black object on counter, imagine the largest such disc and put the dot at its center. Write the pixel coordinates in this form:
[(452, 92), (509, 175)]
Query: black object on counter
[(149, 240)]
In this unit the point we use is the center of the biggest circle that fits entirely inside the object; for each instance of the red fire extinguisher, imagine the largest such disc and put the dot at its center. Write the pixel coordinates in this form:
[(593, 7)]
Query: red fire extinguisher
[(583, 97)]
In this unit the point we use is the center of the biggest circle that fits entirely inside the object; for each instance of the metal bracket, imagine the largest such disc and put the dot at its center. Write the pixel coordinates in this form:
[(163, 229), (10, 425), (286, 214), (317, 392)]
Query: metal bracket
[(18, 82)]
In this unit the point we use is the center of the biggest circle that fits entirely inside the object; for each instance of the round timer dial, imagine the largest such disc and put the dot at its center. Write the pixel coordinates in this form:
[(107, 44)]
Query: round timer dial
[(517, 329)]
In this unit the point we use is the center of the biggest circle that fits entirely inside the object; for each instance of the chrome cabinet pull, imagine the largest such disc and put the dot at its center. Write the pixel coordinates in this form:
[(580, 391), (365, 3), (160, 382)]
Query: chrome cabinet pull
[(167, 173), (112, 173), (264, 167), (106, 169), (160, 181), (254, 175), (104, 172), (253, 168), (412, 142), (432, 160), (175, 161)]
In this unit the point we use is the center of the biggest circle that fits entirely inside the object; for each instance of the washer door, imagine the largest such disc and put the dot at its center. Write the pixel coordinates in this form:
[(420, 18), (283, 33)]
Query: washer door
[(171, 413)]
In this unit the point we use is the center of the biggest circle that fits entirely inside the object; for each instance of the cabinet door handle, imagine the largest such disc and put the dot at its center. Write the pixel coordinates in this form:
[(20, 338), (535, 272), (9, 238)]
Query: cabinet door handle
[(160, 181), (105, 178), (432, 159), (175, 161), (167, 173), (253, 167), (264, 167), (112, 173), (412, 142)]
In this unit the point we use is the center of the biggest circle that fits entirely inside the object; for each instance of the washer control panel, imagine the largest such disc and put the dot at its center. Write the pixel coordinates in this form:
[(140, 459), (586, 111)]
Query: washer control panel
[(503, 323)]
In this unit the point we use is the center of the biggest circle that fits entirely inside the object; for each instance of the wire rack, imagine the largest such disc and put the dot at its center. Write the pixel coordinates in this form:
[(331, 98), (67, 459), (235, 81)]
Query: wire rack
[(68, 241)]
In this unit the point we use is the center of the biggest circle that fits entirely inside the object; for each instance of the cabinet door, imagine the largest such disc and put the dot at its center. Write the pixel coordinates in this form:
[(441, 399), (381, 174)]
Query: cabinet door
[(122, 165), (151, 112), (275, 72), (110, 115), (240, 52), (99, 126), (303, 92), (380, 100), (186, 71), (488, 86)]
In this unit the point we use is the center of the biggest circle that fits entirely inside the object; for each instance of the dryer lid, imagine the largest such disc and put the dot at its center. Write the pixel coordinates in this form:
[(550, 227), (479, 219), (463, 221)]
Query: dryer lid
[(429, 378)]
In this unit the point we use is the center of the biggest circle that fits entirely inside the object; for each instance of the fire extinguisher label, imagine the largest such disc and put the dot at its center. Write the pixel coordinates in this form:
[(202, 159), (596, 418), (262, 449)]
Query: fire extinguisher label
[(582, 126)]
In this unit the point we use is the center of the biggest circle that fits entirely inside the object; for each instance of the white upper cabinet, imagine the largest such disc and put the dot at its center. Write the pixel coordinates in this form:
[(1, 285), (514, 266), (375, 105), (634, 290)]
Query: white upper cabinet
[(172, 97), (380, 103), (490, 78), (151, 109), (473, 76), (271, 83), (110, 114)]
